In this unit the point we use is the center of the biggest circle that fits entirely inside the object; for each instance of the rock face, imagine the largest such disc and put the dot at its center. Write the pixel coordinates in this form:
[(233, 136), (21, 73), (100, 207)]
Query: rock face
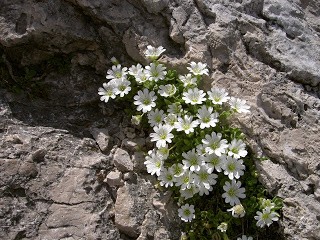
[(58, 143), (55, 185)]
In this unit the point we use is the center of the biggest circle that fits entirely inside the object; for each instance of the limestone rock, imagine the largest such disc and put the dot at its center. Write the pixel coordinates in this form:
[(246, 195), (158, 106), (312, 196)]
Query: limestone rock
[(125, 221), (155, 6), (42, 190), (101, 135), (136, 216), (122, 160), (114, 179), (266, 52), (138, 159)]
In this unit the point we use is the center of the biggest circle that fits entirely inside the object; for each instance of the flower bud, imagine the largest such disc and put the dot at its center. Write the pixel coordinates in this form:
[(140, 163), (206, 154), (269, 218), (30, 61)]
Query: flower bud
[(136, 120), (237, 211), (183, 236), (114, 61), (223, 227)]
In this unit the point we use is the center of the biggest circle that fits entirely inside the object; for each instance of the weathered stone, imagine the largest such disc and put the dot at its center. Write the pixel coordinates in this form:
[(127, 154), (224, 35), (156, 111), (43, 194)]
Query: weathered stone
[(135, 214), (129, 176), (266, 52), (69, 189), (38, 155), (122, 160), (114, 179), (133, 144), (124, 220), (102, 137), (155, 6), (9, 168), (28, 169), (138, 159), (66, 219), (54, 186)]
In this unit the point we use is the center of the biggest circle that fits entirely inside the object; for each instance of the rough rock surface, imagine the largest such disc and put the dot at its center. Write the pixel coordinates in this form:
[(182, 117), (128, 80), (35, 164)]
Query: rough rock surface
[(57, 139)]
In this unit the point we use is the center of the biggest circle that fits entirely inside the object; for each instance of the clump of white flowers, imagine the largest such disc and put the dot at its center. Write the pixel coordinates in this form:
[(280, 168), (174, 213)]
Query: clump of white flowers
[(192, 151), (268, 214)]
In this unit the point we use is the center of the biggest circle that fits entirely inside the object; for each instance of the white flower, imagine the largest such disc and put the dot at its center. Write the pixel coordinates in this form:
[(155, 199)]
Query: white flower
[(201, 150), (198, 68), (189, 192), (233, 192), (141, 76), (171, 119), (107, 92), (266, 217), (194, 96), (267, 203), (214, 143), (135, 70), (206, 117), (136, 120), (233, 167), (218, 95), (186, 213), (188, 80), (167, 90), (244, 237), (145, 100), (237, 149), (155, 117), (177, 170), (166, 177), (163, 152), (154, 163), (162, 135), (213, 162), (155, 72), (204, 178), (239, 105), (186, 124), (185, 180), (153, 53), (116, 72), (175, 108), (122, 87), (204, 190), (237, 211), (192, 160), (223, 227)]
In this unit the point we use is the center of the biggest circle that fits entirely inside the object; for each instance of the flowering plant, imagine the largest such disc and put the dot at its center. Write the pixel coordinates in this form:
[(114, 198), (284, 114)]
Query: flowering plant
[(197, 154)]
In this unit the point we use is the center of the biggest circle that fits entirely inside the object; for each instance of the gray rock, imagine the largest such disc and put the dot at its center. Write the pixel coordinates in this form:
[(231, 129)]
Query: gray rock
[(138, 159), (129, 176), (102, 137), (155, 6), (135, 144), (135, 215), (114, 179), (66, 219), (44, 188), (122, 160), (266, 52), (127, 222)]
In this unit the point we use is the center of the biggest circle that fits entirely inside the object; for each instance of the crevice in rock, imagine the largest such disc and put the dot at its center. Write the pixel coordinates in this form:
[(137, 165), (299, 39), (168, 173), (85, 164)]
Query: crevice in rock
[(15, 192), (50, 201), (21, 24), (224, 67), (262, 56), (20, 235), (208, 17)]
